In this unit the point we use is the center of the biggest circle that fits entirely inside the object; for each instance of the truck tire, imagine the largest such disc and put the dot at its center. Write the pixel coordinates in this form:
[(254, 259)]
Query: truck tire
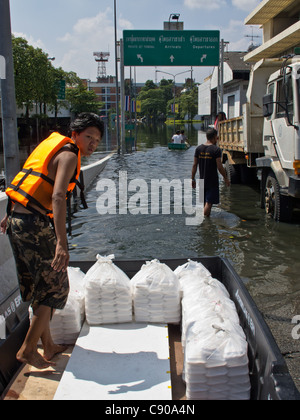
[(276, 204), (232, 172)]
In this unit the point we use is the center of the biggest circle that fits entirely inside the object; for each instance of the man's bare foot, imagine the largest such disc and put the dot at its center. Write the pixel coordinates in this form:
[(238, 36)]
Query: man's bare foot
[(49, 353), (34, 359)]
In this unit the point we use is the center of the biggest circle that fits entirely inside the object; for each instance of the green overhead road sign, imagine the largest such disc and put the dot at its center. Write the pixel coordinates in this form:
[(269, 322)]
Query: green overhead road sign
[(171, 48), (61, 89)]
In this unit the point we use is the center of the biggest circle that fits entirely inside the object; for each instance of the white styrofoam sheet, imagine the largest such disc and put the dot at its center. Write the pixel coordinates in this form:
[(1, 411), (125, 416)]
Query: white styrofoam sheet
[(118, 362)]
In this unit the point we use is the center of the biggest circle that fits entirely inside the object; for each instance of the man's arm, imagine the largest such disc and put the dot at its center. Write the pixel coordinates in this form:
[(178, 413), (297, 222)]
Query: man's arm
[(194, 171), (222, 171), (66, 165)]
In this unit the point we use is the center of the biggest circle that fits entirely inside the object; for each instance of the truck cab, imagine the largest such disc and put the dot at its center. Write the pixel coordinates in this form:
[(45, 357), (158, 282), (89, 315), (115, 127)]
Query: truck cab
[(279, 168)]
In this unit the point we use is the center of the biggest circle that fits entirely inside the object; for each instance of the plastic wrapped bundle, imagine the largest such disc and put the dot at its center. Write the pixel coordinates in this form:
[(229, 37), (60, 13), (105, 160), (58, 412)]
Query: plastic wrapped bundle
[(205, 307), (66, 323), (77, 287), (156, 294), (192, 267), (108, 297), (215, 346), (216, 361)]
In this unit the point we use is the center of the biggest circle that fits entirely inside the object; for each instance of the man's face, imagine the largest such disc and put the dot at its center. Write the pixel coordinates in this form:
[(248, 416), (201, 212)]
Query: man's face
[(87, 141)]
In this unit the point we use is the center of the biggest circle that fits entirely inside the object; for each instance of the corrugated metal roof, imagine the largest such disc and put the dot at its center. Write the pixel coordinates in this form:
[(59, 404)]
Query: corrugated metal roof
[(267, 10)]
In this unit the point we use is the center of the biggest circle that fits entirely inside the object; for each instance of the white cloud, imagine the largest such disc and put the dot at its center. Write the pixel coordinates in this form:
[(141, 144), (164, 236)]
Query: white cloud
[(31, 41), (246, 5), (238, 35), (205, 4), (88, 35)]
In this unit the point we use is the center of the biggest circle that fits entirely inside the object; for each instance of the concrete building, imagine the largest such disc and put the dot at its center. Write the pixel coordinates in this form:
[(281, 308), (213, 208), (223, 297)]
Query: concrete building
[(280, 21), (236, 78), (105, 89)]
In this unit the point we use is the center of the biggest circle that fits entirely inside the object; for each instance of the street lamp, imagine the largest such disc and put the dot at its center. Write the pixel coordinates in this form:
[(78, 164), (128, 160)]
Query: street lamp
[(174, 76)]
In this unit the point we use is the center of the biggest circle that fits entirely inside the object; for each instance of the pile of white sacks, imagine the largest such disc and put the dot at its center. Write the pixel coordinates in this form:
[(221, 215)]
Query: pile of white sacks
[(156, 294), (215, 346), (107, 293)]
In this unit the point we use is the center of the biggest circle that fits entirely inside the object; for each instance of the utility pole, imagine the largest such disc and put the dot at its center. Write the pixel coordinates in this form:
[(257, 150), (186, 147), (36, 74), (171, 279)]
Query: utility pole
[(8, 99), (220, 89), (117, 77), (122, 101)]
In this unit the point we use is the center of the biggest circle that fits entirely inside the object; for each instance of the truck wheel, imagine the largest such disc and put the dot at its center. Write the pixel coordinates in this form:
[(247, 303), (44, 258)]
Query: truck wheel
[(232, 172), (276, 204)]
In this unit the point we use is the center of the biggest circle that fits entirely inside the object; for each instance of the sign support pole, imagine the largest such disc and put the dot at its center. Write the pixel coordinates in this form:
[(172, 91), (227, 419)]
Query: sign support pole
[(122, 97), (8, 100)]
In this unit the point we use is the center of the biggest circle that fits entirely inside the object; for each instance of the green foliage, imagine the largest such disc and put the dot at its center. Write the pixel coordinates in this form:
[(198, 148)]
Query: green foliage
[(157, 100), (36, 82), (82, 100)]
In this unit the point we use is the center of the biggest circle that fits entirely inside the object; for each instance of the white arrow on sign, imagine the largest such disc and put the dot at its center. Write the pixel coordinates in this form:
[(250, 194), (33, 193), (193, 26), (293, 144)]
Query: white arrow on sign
[(140, 58), (172, 58), (203, 58)]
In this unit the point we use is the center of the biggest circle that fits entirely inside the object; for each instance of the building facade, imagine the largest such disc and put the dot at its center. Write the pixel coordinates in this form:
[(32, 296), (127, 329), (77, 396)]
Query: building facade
[(280, 21)]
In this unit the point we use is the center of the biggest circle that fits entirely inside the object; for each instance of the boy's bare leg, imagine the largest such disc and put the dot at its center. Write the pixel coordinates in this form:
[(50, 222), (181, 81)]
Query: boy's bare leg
[(50, 348), (28, 352)]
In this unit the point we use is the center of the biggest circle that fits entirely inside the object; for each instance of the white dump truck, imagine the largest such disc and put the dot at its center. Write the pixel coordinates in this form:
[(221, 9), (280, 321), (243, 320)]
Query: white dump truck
[(265, 141)]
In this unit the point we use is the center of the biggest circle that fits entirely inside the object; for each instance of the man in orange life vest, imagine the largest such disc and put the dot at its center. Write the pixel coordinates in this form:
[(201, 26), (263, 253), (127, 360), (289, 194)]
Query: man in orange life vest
[(39, 191)]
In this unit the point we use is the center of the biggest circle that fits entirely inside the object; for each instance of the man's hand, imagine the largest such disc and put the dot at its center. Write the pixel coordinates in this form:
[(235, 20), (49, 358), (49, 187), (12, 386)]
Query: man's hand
[(3, 225), (227, 182), (61, 259)]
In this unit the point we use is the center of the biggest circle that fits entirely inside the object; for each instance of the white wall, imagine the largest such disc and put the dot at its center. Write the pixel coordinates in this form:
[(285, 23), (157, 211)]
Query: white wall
[(204, 98)]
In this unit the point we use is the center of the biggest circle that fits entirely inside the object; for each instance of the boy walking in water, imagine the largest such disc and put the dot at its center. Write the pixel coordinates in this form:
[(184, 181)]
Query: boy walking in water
[(41, 254), (208, 157)]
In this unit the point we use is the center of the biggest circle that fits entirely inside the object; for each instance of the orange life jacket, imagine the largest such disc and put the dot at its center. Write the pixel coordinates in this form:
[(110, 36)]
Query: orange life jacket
[(32, 184)]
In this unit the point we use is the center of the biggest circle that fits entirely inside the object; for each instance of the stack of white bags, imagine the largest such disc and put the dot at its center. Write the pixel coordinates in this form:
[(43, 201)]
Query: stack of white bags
[(215, 346), (108, 297), (156, 294), (67, 323)]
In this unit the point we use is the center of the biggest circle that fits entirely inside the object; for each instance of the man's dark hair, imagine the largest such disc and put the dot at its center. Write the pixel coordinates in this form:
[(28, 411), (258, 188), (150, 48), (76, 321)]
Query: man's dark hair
[(86, 120), (211, 134)]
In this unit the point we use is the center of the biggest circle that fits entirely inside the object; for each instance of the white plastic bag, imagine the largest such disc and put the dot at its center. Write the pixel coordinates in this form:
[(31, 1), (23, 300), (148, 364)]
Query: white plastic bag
[(108, 297), (215, 346), (218, 349), (66, 324), (156, 295)]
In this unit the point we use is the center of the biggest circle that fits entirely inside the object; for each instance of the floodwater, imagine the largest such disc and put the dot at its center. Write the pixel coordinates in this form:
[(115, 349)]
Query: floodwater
[(264, 253)]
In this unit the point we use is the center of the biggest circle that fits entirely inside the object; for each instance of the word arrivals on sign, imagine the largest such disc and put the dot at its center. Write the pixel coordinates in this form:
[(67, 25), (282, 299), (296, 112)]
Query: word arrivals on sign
[(171, 48)]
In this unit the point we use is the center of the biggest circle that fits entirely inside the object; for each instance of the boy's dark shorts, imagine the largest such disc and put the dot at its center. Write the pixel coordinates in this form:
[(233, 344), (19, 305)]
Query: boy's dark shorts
[(212, 195), (33, 243)]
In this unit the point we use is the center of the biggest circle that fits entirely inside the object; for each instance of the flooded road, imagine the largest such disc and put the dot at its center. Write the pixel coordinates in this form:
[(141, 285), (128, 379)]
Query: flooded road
[(264, 253)]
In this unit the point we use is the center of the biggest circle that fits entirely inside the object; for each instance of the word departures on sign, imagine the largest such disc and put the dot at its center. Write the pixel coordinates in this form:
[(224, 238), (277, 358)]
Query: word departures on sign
[(171, 48)]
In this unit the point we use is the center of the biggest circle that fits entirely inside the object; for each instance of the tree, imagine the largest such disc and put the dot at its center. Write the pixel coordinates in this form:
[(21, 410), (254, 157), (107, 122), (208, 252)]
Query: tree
[(82, 100), (23, 55), (154, 99)]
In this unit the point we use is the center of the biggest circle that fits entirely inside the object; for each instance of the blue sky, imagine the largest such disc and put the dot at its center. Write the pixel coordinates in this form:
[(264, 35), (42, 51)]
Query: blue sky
[(71, 30)]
